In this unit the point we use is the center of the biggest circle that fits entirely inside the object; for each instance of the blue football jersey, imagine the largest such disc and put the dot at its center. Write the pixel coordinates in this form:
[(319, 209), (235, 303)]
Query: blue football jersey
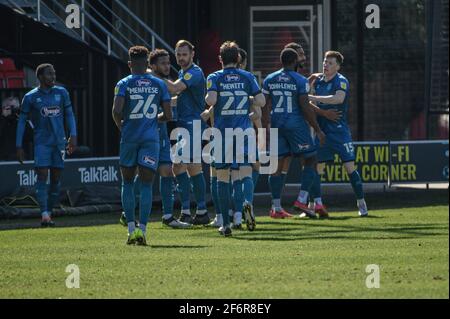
[(323, 88), (233, 87), (191, 102), (143, 96), (46, 109), (284, 88)]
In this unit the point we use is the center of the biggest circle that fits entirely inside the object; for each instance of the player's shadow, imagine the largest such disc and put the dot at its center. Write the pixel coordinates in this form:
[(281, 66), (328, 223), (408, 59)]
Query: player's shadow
[(177, 246), (310, 231)]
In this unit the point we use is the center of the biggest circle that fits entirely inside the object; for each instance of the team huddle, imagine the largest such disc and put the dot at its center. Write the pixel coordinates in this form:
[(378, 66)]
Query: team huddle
[(307, 117)]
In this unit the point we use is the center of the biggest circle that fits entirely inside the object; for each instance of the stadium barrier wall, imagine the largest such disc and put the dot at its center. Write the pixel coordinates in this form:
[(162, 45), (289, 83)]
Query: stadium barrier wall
[(378, 162)]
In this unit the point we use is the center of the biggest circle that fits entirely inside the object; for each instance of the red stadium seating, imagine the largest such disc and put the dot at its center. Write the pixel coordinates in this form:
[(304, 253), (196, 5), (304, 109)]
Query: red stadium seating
[(10, 76)]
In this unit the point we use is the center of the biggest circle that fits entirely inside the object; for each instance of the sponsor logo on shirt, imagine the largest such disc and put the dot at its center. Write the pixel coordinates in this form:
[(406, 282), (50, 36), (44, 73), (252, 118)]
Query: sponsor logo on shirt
[(283, 78), (143, 82), (232, 77), (50, 111)]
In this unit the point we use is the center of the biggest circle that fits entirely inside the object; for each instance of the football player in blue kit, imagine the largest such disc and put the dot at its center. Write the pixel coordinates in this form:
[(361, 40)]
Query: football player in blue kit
[(229, 92), (277, 179), (48, 107), (331, 90), (236, 186), (137, 100), (291, 113), (160, 67), (159, 63), (190, 89)]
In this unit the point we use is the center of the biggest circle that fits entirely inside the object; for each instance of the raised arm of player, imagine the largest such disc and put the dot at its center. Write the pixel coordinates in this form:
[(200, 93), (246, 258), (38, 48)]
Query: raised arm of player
[(71, 124), (310, 117), (337, 98), (117, 111), (166, 114), (175, 87), (330, 114)]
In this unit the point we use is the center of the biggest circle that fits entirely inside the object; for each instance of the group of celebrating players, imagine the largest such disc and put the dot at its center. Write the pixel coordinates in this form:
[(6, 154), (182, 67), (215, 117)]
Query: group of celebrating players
[(310, 116)]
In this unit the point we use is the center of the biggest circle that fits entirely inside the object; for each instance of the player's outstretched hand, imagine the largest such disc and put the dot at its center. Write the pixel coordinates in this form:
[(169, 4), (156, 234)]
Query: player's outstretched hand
[(20, 155), (72, 145), (332, 115), (322, 138), (205, 115)]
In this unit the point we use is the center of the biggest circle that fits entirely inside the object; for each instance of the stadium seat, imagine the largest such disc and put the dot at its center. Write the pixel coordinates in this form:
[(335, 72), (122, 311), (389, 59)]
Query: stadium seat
[(14, 79), (10, 76), (2, 81), (7, 64)]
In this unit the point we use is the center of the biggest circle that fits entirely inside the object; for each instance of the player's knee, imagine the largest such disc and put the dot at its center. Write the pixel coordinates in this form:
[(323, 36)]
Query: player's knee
[(42, 174), (146, 175), (235, 176), (223, 175), (286, 163), (179, 169), (350, 167), (310, 161), (245, 171), (321, 168), (194, 169), (165, 171), (128, 174)]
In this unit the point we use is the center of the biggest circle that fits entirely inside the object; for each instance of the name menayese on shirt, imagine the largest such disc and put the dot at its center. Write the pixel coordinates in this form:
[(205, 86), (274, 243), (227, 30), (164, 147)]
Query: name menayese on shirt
[(143, 89)]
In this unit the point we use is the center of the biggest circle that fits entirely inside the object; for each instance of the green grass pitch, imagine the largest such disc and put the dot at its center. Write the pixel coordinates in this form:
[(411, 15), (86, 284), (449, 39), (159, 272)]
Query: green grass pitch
[(282, 259)]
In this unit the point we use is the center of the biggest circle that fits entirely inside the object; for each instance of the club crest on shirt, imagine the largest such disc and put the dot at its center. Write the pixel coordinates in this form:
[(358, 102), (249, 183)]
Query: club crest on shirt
[(58, 97), (232, 77), (143, 82), (148, 160), (329, 87), (187, 76), (50, 111)]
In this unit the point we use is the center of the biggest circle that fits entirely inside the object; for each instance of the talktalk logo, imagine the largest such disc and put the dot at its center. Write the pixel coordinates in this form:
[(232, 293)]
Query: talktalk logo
[(232, 77), (99, 174), (50, 111), (143, 82)]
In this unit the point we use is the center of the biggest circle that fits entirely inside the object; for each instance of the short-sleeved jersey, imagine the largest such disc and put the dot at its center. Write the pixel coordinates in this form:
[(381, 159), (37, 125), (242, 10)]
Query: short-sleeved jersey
[(285, 87), (191, 101), (323, 88), (234, 87), (45, 109), (143, 96)]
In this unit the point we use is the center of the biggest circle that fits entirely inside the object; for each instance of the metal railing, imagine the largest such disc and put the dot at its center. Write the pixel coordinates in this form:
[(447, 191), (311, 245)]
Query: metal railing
[(111, 39)]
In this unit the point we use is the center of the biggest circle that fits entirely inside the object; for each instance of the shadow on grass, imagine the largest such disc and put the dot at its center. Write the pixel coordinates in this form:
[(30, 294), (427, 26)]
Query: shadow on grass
[(176, 246), (404, 231)]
